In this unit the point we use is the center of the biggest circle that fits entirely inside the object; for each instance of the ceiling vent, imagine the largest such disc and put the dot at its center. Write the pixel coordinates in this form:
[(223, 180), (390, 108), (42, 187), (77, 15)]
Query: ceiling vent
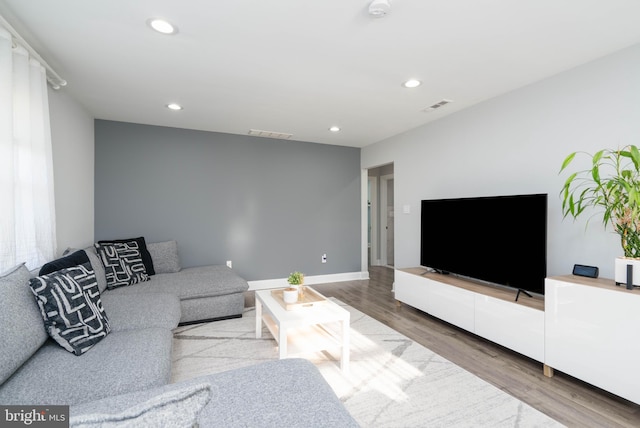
[(269, 134), (437, 105)]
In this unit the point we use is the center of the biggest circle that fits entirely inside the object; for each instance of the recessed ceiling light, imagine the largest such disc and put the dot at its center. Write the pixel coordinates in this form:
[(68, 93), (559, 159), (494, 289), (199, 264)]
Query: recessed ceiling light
[(334, 129), (379, 8), (412, 83), (174, 106), (162, 26)]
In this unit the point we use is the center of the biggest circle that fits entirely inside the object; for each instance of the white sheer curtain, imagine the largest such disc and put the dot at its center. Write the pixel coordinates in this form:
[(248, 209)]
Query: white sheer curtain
[(27, 209)]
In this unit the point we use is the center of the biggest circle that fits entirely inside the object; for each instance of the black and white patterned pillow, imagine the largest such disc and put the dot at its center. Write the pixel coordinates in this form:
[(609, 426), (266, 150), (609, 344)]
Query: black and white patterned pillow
[(69, 301), (142, 247), (122, 263)]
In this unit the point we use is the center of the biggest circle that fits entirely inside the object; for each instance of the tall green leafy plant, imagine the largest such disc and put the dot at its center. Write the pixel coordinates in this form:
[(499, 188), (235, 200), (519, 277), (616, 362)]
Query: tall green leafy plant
[(612, 184)]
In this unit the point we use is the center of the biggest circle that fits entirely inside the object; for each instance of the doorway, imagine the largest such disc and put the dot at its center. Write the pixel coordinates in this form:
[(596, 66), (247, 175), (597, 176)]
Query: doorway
[(380, 216)]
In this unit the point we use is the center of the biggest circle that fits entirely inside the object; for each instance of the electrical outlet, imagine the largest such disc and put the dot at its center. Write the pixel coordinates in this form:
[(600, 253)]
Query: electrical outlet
[(324, 258), (229, 264)]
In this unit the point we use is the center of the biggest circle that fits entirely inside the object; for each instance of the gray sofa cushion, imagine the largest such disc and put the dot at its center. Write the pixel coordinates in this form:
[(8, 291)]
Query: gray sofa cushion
[(179, 408), (282, 393), (164, 256), (209, 308), (192, 283), (144, 310), (21, 328), (124, 361)]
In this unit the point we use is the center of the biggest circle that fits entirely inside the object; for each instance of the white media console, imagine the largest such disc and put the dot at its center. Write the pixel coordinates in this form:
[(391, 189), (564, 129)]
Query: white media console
[(587, 328), (489, 312)]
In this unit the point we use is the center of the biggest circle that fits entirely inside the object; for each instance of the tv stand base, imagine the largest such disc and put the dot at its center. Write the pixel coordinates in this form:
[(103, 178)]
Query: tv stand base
[(520, 290)]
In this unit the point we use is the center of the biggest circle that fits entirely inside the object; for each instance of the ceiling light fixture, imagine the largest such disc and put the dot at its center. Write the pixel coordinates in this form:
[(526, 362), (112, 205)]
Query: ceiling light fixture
[(174, 106), (412, 83), (334, 129), (162, 26), (379, 8)]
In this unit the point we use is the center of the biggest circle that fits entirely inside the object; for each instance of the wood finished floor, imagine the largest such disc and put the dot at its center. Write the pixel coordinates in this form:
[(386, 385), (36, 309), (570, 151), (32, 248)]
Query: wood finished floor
[(566, 399)]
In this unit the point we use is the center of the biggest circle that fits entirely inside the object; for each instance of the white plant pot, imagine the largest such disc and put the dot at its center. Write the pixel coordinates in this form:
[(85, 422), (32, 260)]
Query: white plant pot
[(621, 270), (290, 295)]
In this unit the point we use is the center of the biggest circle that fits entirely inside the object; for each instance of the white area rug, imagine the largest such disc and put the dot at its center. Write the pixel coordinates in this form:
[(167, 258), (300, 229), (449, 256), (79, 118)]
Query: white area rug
[(392, 381)]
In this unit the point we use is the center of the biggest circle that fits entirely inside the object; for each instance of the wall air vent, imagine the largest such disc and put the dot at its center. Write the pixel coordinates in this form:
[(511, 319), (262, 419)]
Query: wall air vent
[(437, 105), (269, 134)]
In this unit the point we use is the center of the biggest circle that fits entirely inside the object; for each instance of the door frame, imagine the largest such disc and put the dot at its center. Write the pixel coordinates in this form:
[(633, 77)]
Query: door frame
[(372, 188), (384, 225)]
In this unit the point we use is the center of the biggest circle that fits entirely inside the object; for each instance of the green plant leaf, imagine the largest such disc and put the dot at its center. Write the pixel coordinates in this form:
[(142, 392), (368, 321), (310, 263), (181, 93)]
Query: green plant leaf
[(567, 161), (597, 157), (635, 156), (595, 173), (567, 183)]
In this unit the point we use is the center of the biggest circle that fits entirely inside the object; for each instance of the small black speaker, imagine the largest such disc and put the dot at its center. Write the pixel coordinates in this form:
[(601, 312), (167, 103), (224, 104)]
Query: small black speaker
[(588, 271)]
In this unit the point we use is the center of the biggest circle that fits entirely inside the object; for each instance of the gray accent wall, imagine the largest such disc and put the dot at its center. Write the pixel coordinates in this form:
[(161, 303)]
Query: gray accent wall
[(270, 206)]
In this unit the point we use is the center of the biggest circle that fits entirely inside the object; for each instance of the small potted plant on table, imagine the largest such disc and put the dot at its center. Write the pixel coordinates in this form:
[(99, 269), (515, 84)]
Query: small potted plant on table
[(296, 280)]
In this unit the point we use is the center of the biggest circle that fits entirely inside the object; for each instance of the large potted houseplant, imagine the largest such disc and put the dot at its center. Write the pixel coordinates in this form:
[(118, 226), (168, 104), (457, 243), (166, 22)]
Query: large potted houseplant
[(611, 184)]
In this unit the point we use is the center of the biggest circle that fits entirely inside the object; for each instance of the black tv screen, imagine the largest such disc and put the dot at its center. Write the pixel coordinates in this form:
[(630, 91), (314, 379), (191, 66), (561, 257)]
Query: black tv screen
[(499, 239)]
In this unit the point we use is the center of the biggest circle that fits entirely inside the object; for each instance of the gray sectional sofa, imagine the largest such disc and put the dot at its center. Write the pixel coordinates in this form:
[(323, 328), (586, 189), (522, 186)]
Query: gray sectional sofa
[(130, 366), (206, 293)]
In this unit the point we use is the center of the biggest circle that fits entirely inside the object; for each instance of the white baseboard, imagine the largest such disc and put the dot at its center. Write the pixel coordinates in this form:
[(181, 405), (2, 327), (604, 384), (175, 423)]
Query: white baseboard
[(264, 284)]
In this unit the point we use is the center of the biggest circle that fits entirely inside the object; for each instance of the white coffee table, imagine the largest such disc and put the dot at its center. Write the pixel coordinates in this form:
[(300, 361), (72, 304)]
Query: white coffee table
[(322, 326)]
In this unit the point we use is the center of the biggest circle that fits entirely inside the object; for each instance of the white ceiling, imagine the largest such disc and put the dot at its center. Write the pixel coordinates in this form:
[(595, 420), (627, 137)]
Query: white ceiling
[(300, 66)]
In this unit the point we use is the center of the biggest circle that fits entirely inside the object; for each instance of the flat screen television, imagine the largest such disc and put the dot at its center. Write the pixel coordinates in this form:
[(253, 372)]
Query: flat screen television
[(500, 239)]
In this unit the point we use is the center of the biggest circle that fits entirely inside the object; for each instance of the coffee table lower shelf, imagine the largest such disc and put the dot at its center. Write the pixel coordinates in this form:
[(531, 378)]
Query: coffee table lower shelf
[(310, 338)]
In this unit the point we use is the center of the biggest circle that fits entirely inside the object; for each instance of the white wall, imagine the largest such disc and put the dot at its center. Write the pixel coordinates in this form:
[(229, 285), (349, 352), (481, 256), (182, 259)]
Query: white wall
[(515, 144), (73, 168)]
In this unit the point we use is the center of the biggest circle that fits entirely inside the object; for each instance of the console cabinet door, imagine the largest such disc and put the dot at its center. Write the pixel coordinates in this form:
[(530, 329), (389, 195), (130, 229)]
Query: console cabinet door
[(451, 304), (514, 326), (411, 289), (594, 334)]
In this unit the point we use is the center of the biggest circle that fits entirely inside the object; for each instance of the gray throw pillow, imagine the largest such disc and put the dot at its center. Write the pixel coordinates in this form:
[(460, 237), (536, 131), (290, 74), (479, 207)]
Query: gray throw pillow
[(165, 256), (71, 308), (176, 409), (97, 267)]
